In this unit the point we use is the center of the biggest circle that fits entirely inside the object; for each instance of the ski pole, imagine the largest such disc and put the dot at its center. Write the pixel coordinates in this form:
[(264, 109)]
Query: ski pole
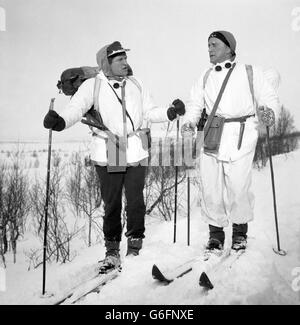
[(47, 200), (176, 178), (188, 207), (278, 251)]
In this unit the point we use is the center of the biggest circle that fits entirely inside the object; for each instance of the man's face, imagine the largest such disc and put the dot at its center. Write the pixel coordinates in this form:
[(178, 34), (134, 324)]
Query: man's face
[(218, 51), (119, 66)]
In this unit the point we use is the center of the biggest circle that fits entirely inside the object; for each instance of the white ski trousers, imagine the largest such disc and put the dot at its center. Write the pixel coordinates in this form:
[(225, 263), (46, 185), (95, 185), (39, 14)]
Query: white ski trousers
[(225, 190)]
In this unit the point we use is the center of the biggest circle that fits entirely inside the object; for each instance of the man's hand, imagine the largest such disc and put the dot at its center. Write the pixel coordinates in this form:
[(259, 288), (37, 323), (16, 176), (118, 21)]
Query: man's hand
[(266, 115), (53, 121), (188, 130), (177, 108)]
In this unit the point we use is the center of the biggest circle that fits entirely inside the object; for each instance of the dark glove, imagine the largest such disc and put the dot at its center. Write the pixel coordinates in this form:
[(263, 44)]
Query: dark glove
[(177, 108), (53, 121)]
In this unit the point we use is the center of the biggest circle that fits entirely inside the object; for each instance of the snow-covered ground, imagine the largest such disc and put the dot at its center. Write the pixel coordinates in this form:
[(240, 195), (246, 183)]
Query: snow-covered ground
[(259, 277)]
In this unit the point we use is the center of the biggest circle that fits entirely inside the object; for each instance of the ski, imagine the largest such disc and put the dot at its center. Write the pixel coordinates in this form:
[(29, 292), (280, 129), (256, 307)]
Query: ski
[(204, 264), (177, 272), (158, 275), (83, 289), (226, 262), (85, 274), (94, 285)]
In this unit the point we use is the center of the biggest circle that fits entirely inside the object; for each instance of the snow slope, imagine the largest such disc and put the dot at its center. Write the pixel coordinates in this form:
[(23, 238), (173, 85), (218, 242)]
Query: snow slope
[(259, 277)]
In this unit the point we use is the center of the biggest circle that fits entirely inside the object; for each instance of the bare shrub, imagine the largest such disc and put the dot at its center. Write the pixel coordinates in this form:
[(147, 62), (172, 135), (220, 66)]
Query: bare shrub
[(34, 257), (14, 206), (283, 139), (3, 240), (160, 185), (58, 234), (83, 193)]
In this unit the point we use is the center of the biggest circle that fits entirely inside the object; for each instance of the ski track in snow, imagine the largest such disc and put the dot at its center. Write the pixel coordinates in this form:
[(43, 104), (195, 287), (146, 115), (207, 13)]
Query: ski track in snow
[(259, 276)]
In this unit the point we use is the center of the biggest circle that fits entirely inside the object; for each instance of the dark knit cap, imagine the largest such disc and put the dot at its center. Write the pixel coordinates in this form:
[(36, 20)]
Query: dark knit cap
[(226, 37)]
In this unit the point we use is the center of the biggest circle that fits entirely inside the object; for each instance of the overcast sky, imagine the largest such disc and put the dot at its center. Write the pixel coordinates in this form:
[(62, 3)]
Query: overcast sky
[(168, 42)]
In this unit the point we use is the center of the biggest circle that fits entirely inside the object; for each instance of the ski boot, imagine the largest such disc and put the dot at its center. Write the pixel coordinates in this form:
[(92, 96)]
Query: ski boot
[(215, 243), (133, 246), (112, 257), (239, 236), (238, 243), (213, 247)]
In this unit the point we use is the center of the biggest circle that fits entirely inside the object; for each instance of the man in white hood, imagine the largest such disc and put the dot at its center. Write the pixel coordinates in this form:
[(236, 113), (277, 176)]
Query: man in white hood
[(124, 104), (225, 173)]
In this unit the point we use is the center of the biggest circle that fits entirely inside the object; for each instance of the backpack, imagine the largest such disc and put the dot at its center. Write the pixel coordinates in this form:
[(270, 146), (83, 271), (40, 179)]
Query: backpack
[(72, 78)]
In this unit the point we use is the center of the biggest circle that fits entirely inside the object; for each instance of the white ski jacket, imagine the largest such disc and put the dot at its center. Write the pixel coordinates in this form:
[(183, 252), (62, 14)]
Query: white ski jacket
[(236, 102), (139, 105)]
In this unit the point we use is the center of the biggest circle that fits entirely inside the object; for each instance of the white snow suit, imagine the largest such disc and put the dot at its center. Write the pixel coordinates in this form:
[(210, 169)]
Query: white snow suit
[(226, 176)]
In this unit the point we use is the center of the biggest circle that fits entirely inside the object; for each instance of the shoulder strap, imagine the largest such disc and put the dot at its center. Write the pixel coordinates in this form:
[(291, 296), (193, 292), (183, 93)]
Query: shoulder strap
[(216, 104), (124, 111), (97, 85), (249, 70), (206, 77), (96, 98), (204, 83)]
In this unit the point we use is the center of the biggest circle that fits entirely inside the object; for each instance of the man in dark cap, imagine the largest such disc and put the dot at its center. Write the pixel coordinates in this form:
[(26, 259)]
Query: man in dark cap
[(226, 161), (217, 51), (124, 105)]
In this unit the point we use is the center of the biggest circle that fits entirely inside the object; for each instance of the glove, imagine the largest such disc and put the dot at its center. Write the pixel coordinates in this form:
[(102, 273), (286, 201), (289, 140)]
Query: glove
[(188, 130), (266, 115), (53, 121), (177, 108)]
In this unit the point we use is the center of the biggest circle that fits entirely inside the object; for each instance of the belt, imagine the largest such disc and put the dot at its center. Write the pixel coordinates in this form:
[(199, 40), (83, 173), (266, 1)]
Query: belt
[(242, 121), (143, 134), (130, 134)]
